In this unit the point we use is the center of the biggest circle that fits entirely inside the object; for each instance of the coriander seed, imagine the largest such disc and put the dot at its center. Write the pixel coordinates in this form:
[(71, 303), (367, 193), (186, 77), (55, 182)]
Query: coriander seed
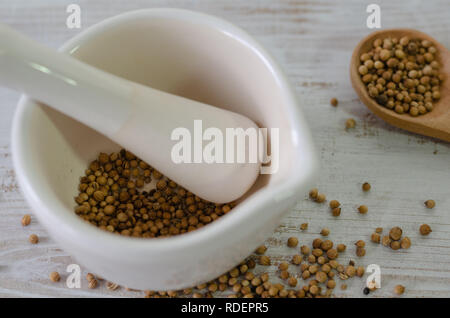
[(313, 193), (363, 209), (399, 289), (386, 240), (430, 204), (361, 251), (425, 229), (375, 237), (366, 186), (334, 204), (54, 277), (320, 198), (334, 102), (264, 260), (292, 242), (93, 284), (350, 123), (395, 233), (405, 243), (283, 266), (33, 239), (26, 220), (336, 211), (395, 245), (296, 259), (261, 250), (292, 281)]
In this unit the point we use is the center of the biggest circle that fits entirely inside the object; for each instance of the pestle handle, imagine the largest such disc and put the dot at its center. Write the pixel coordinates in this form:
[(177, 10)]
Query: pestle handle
[(137, 117)]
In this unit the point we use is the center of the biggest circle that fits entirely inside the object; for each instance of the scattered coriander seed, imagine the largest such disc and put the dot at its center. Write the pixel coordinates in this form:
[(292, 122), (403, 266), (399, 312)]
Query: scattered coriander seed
[(379, 230), (305, 250), (292, 281), (113, 286), (366, 186), (363, 209), (292, 242), (360, 271), (304, 226), (26, 220), (399, 289), (341, 248), (395, 233), (54, 277), (350, 271), (317, 252), (326, 245), (334, 204), (376, 238), (334, 102), (93, 284), (372, 285), (33, 239), (395, 245), (320, 198), (386, 240), (317, 243), (325, 232), (332, 253), (261, 250), (296, 259), (350, 123), (283, 266), (360, 243), (313, 193), (360, 251), (321, 277), (331, 284), (430, 204), (336, 211), (264, 260), (425, 229), (405, 243), (284, 275), (89, 277), (344, 287)]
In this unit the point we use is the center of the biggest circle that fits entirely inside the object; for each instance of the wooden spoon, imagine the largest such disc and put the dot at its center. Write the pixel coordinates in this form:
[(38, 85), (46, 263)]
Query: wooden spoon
[(435, 123)]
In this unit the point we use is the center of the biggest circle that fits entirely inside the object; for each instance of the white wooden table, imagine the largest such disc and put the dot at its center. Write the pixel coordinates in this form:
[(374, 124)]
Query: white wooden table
[(312, 41)]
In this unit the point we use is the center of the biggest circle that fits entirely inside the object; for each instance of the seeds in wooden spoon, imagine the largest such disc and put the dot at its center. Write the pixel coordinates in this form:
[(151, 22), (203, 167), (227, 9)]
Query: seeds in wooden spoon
[(402, 74)]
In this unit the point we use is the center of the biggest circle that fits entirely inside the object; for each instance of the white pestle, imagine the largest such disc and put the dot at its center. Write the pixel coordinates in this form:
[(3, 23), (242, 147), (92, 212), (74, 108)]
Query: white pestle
[(137, 117)]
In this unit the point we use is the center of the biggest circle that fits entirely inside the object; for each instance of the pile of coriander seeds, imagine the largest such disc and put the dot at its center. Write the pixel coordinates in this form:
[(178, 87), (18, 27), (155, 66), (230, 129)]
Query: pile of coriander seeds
[(402, 74), (113, 196)]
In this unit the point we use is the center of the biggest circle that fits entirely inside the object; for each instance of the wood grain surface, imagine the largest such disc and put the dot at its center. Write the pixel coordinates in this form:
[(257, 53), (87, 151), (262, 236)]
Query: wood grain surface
[(312, 41)]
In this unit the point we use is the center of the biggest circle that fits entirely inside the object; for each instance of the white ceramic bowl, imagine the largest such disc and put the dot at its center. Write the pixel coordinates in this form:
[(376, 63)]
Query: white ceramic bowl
[(190, 54)]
